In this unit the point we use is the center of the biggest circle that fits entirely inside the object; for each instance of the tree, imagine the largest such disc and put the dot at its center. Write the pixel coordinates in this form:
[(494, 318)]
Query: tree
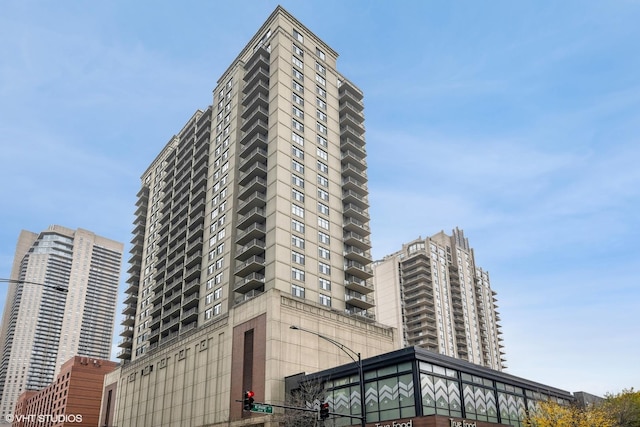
[(309, 395), (624, 408), (551, 414)]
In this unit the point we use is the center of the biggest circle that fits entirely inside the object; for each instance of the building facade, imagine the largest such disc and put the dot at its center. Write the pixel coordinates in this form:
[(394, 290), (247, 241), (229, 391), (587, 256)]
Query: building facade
[(73, 398), (414, 387), (440, 299), (43, 327), (252, 218)]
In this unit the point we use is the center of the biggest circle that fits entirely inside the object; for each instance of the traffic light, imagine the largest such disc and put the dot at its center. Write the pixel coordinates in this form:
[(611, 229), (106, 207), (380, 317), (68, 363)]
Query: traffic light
[(324, 411), (247, 401)]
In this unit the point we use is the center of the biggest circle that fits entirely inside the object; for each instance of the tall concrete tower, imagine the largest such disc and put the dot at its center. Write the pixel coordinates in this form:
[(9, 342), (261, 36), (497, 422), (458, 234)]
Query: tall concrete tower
[(43, 327), (440, 299)]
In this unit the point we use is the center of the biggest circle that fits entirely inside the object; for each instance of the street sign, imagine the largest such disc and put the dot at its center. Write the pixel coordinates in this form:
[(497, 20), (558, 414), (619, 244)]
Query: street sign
[(259, 407)]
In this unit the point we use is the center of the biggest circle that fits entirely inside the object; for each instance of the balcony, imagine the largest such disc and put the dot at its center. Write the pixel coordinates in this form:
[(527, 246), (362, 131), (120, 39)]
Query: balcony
[(256, 141), (251, 115), (254, 215), (125, 353), (355, 122), (258, 127), (358, 227), (353, 211), (358, 270), (255, 231), (260, 58), (249, 283), (125, 343), (348, 88), (354, 239), (359, 300), (357, 284), (252, 264), (189, 315), (354, 143), (258, 154), (350, 132), (129, 321), (352, 184), (349, 106), (350, 196), (349, 170), (253, 247), (257, 199), (260, 88), (191, 301), (356, 254), (261, 74), (253, 170)]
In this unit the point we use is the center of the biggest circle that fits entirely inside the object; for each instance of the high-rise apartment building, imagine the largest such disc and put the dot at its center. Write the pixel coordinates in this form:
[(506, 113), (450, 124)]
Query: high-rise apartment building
[(253, 217), (436, 295), (66, 306)]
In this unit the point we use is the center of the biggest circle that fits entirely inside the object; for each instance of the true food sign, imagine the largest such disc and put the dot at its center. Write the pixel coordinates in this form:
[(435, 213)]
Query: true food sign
[(461, 423)]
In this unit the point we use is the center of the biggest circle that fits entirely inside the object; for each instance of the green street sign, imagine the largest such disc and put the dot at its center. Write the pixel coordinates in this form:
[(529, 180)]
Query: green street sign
[(265, 409)]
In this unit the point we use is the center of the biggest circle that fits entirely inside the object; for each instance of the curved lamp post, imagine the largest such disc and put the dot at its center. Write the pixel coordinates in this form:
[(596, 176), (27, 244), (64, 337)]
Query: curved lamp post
[(357, 359), (18, 281)]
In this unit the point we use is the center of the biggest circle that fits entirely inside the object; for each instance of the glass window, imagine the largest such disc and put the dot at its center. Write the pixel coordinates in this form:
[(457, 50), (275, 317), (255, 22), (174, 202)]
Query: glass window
[(323, 209), (326, 301), (320, 54), (324, 283), (297, 210), (297, 125), (297, 257), (322, 167), (324, 268), (297, 226), (320, 68), (297, 50), (297, 274), (297, 195), (323, 195), (298, 36), (323, 238), (323, 181), (296, 180), (298, 242), (297, 291), (297, 166), (297, 62), (297, 152), (323, 223), (324, 253)]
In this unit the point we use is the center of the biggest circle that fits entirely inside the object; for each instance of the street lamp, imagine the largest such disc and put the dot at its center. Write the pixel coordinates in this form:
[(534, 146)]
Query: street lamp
[(358, 361), (18, 281)]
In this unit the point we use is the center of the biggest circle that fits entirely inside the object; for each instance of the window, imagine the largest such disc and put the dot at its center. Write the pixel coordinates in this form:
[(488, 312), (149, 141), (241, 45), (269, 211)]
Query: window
[(296, 180), (322, 154), (209, 298), (297, 166), (297, 210), (297, 125), (208, 313), (217, 309), (298, 242), (321, 80), (325, 300), (297, 274), (323, 181), (217, 294), (323, 195), (297, 257), (324, 253), (321, 128), (323, 223), (321, 140), (297, 62), (297, 86), (297, 50), (219, 263), (324, 268), (320, 103), (323, 238), (323, 209), (298, 112), (322, 167), (298, 74), (320, 68), (320, 54), (324, 284), (298, 99), (297, 226), (297, 152), (298, 36), (322, 116), (297, 138), (297, 195), (297, 291), (320, 91)]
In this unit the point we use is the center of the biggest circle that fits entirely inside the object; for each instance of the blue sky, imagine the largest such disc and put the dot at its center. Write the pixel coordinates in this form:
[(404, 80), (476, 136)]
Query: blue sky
[(518, 122)]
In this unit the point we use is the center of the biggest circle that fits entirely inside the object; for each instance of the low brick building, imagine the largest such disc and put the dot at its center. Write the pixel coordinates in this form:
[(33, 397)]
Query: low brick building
[(72, 399)]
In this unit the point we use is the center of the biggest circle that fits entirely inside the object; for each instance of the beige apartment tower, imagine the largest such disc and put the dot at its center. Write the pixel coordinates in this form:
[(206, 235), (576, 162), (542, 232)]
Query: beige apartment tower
[(438, 299), (62, 303), (254, 217)]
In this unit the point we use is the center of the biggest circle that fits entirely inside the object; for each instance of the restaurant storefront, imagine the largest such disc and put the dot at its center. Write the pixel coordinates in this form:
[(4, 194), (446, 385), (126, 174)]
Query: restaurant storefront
[(413, 387)]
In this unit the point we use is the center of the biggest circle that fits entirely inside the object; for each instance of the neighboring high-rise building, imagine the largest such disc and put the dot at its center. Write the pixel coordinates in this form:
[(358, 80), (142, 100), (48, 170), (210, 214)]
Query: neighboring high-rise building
[(440, 299), (62, 303), (254, 217)]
